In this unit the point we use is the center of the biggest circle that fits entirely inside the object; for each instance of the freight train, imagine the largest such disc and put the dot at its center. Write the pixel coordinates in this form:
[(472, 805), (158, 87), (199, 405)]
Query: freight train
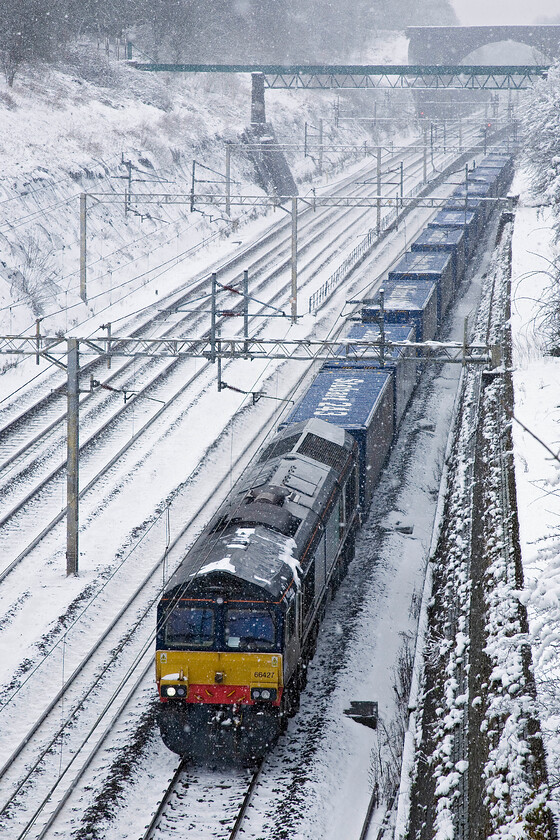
[(238, 620)]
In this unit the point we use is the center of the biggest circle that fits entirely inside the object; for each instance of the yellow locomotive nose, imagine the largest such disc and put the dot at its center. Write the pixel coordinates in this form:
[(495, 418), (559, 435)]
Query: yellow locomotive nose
[(236, 677)]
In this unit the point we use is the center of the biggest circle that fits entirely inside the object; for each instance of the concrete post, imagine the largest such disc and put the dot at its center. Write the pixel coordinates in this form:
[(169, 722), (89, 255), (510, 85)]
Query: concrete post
[(258, 113), (72, 462), (213, 319), (378, 190), (246, 310), (228, 178), (83, 247), (293, 299)]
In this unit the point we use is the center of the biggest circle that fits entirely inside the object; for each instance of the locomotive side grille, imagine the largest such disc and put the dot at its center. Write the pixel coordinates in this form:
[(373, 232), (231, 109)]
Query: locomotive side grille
[(324, 451), (279, 447)]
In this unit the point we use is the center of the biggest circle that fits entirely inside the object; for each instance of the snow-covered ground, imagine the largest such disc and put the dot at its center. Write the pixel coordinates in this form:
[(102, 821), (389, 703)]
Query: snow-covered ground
[(64, 133), (537, 448)]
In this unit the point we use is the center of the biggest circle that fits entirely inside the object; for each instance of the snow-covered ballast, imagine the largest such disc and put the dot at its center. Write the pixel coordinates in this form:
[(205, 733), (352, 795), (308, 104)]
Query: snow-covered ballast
[(238, 620)]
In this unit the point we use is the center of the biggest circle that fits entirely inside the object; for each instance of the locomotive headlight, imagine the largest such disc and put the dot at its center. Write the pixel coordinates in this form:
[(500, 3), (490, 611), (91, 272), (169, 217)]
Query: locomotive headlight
[(170, 691), (267, 694)]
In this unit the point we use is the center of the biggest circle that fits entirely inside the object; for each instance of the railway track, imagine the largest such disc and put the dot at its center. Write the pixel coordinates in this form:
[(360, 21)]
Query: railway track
[(185, 804), (25, 780), (51, 744)]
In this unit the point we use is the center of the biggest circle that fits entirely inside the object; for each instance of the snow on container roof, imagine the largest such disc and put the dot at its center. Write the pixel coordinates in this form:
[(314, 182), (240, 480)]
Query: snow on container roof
[(484, 175), (445, 238), (345, 397), (418, 263), (403, 295), (474, 188), (452, 218), (393, 332), (371, 332)]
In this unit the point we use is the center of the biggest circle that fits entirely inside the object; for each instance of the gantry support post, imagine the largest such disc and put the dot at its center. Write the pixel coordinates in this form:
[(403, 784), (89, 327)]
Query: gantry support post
[(83, 247), (213, 319), (293, 299), (378, 190), (228, 178), (246, 310), (72, 458)]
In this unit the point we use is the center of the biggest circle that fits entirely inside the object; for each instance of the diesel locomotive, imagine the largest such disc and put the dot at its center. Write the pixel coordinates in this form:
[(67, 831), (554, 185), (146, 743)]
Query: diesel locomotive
[(238, 620)]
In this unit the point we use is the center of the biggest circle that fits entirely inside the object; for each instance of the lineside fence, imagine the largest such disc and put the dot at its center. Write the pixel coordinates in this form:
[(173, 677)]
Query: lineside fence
[(359, 253)]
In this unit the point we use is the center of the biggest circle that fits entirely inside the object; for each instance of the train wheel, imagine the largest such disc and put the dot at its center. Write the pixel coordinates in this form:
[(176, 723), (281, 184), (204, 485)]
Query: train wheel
[(291, 694)]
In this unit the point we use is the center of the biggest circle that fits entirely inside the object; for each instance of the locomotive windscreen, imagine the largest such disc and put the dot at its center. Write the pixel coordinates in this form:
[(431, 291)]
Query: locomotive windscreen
[(191, 627), (250, 629)]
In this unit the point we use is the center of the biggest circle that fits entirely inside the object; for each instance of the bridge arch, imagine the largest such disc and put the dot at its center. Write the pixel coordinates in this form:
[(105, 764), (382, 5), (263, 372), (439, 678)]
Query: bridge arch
[(451, 44)]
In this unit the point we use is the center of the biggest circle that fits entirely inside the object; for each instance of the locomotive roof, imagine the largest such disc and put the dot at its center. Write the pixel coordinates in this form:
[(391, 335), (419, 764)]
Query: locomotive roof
[(261, 531)]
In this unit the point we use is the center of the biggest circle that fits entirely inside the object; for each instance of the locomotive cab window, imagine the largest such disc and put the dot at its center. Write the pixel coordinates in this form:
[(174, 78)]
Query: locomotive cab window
[(191, 626), (250, 629)]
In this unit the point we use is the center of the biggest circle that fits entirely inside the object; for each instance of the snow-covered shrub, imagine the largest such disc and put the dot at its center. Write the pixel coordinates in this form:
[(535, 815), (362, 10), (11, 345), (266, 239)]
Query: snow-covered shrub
[(541, 140)]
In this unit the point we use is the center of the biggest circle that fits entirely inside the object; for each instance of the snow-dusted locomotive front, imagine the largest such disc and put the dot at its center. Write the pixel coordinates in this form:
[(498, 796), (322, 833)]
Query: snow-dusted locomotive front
[(239, 619)]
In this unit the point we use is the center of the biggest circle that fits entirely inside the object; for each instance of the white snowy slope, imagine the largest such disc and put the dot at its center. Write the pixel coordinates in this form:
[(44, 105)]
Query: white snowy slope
[(63, 133), (537, 407)]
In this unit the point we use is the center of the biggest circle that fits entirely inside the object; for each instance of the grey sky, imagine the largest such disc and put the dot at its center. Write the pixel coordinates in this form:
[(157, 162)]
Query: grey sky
[(513, 12)]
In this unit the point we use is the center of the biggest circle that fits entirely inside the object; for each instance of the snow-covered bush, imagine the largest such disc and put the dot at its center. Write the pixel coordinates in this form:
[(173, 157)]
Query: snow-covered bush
[(541, 140)]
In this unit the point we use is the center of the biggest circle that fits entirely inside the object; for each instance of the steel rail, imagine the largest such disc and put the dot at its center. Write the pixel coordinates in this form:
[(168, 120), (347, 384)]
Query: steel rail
[(26, 740), (55, 346)]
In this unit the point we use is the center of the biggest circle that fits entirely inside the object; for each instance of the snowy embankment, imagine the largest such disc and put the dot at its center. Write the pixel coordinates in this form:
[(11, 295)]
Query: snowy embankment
[(83, 127), (481, 752), (536, 445)]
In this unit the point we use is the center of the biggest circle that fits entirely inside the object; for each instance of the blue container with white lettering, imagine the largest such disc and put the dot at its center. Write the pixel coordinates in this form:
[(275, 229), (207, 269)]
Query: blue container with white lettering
[(400, 359), (359, 400)]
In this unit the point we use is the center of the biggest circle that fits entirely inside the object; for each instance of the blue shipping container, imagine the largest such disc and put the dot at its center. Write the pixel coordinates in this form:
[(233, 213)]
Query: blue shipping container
[(458, 219), (405, 369), (408, 302), (436, 266), (479, 190), (501, 174), (359, 400), (452, 240)]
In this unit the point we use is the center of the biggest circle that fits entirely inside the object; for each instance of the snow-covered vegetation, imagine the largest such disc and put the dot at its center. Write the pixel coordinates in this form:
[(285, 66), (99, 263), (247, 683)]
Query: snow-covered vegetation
[(79, 126), (541, 129), (193, 31)]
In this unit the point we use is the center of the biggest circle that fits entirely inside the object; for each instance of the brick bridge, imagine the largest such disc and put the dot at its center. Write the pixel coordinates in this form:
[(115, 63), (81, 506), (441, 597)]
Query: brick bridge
[(451, 44)]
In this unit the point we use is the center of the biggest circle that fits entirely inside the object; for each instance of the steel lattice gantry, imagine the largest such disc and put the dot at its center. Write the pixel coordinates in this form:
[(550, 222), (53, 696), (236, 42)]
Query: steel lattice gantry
[(359, 77), (54, 349), (65, 352)]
